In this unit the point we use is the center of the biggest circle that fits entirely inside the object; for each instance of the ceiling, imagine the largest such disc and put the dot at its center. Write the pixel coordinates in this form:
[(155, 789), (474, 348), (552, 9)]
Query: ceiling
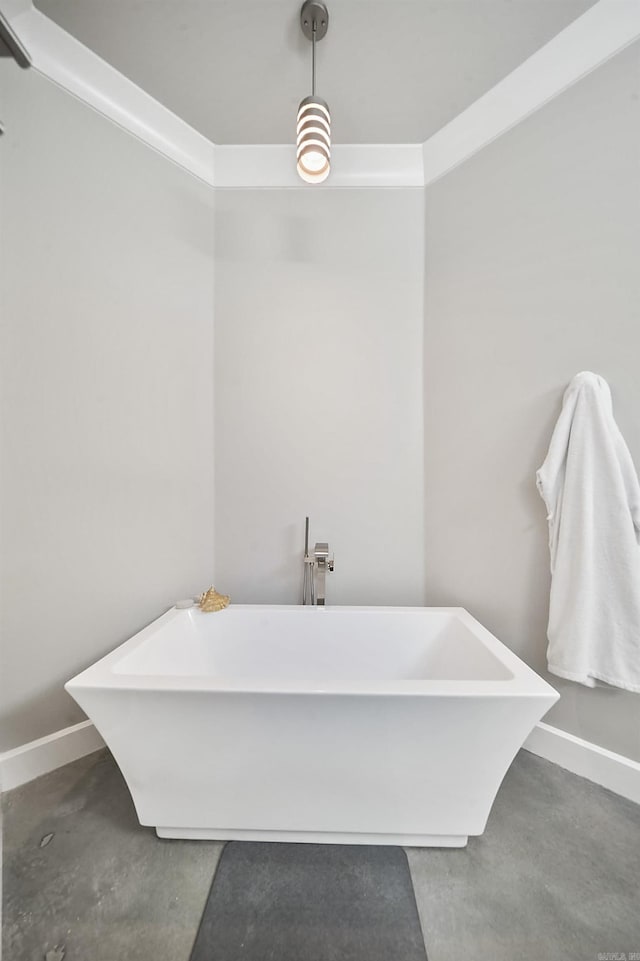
[(393, 71)]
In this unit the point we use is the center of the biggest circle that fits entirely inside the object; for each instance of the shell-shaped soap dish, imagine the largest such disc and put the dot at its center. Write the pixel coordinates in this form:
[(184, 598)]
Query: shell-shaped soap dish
[(211, 600)]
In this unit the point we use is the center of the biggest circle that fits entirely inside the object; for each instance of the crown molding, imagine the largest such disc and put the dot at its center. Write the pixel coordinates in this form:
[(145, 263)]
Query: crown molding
[(352, 165), (600, 33), (15, 8), (604, 30), (68, 63)]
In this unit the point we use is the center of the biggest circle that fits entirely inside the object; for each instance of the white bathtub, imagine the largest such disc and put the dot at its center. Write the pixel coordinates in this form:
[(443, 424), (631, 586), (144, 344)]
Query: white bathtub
[(357, 725)]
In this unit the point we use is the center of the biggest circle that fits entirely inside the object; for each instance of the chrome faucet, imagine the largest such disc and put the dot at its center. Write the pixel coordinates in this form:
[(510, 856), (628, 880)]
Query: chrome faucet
[(316, 566)]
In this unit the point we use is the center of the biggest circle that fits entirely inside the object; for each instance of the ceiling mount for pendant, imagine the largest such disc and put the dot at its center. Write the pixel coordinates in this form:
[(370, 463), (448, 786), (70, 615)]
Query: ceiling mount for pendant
[(314, 12)]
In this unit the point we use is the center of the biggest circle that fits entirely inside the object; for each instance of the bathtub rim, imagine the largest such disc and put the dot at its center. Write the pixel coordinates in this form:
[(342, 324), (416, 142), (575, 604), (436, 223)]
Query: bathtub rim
[(524, 682)]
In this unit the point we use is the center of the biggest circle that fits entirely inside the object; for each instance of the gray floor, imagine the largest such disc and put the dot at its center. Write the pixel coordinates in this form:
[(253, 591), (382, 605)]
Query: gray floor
[(556, 876)]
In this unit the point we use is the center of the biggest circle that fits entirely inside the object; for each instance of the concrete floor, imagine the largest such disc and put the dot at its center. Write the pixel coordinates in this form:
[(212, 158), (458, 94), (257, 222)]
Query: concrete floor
[(555, 877)]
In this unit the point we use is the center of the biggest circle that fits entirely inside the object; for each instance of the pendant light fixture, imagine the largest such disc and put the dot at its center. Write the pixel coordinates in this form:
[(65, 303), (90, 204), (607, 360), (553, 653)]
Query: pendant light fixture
[(313, 131)]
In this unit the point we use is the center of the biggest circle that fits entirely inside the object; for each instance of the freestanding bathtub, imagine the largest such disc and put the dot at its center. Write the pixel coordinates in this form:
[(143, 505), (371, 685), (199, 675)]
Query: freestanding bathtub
[(373, 725)]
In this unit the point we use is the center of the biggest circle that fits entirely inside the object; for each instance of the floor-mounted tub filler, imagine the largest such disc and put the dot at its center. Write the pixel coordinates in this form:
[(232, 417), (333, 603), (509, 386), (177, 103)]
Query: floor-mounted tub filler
[(374, 725)]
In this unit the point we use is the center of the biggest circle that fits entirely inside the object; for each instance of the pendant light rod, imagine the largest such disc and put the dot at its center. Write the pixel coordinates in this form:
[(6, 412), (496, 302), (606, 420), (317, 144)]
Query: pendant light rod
[(314, 20)]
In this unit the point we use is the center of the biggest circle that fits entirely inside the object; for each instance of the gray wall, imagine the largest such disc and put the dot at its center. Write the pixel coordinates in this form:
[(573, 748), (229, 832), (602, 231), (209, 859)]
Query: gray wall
[(319, 321), (107, 299), (106, 408), (532, 275)]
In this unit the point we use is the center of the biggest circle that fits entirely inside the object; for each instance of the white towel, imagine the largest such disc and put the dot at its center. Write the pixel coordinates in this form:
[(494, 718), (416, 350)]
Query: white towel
[(590, 488)]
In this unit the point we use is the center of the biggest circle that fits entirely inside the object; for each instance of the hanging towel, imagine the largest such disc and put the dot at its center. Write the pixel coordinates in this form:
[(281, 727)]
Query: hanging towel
[(591, 491)]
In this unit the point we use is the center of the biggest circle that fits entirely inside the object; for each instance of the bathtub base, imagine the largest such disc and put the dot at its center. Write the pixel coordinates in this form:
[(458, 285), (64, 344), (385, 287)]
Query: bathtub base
[(316, 837)]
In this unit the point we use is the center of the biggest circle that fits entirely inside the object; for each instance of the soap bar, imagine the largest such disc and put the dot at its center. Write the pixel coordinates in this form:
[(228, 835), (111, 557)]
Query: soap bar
[(182, 605)]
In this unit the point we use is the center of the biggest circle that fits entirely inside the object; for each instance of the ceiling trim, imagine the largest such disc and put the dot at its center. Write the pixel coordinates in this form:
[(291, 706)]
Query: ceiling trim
[(600, 33), (604, 30), (352, 165), (77, 69)]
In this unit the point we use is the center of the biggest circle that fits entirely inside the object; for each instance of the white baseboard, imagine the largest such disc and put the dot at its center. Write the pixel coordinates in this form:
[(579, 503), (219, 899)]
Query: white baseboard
[(613, 771), (30, 760), (610, 770)]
